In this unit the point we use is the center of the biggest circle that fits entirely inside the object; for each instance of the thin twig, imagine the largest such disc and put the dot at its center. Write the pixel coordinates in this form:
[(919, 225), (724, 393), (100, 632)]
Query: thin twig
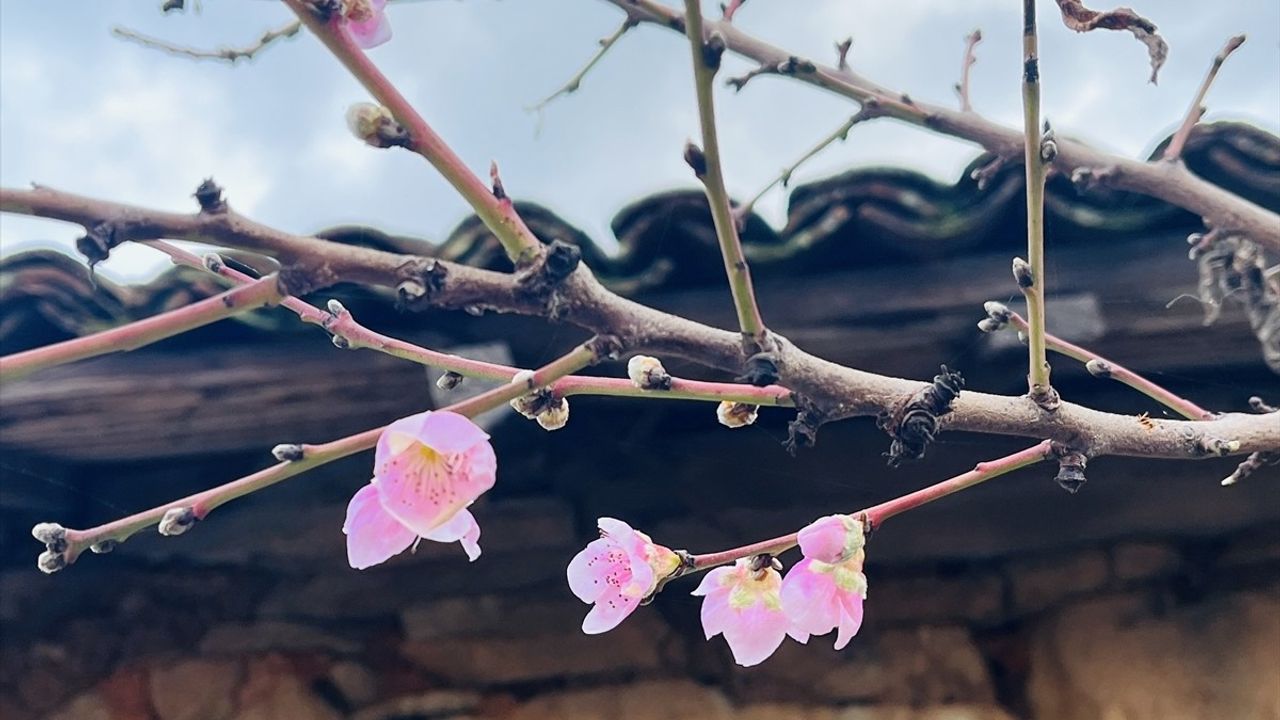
[(498, 214), (784, 178), (1030, 275), (257, 294), (1169, 182), (201, 504), (706, 61), (970, 42), (1099, 366), (729, 9), (1197, 109), (358, 336), (225, 53), (875, 515), (574, 82)]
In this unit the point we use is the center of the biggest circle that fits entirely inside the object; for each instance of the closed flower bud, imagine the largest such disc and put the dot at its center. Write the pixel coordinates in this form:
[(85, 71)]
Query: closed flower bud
[(49, 533), (51, 562), (374, 125), (648, 374), (736, 414), (176, 521), (555, 416)]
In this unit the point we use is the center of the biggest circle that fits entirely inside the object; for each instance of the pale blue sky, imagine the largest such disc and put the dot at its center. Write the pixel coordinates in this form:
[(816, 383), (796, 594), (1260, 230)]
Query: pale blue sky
[(83, 111)]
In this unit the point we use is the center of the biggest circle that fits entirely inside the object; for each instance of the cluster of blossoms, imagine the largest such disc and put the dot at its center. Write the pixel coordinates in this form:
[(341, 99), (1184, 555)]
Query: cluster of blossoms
[(750, 603), (428, 468)]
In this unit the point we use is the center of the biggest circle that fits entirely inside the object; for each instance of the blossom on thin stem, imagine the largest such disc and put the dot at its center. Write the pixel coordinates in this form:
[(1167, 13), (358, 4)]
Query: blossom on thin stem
[(819, 597), (427, 469), (374, 536), (367, 22), (744, 604), (616, 572)]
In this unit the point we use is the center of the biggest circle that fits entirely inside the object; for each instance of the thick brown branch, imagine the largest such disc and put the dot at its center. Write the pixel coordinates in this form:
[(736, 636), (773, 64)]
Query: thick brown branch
[(1167, 181), (842, 392)]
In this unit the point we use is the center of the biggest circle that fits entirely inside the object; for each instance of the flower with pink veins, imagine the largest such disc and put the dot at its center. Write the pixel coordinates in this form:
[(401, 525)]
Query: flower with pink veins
[(367, 22), (375, 536), (832, 539), (429, 466), (745, 605), (427, 469), (616, 572), (820, 597)]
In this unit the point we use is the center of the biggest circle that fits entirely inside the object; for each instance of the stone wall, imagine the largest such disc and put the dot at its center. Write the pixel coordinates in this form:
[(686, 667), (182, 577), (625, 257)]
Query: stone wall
[(1165, 628)]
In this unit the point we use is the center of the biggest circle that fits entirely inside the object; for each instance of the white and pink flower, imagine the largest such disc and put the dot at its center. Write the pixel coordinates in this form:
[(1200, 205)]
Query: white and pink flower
[(820, 597), (616, 572), (745, 605), (428, 468)]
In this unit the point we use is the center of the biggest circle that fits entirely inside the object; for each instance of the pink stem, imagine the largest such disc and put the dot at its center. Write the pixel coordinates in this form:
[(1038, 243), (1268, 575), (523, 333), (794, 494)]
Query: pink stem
[(360, 336), (256, 294), (1103, 367), (877, 514), (202, 503), (498, 214)]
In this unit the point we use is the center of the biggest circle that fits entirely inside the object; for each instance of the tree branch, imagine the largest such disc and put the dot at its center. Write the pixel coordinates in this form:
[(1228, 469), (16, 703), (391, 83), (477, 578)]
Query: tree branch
[(841, 392), (706, 53), (574, 82), (784, 178), (1197, 109), (227, 54), (178, 516), (257, 294), (962, 88), (1167, 181), (1098, 366), (497, 213), (875, 515), (1030, 275), (343, 325)]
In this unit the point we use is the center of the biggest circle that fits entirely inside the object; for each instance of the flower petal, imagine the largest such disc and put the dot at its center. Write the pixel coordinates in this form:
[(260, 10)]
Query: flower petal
[(462, 528), (850, 619), (372, 32), (809, 599), (610, 610), (587, 570), (424, 488), (714, 580), (755, 633), (373, 535)]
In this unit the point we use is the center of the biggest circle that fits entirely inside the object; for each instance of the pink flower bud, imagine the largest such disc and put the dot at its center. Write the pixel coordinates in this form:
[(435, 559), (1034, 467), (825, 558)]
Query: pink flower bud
[(832, 539)]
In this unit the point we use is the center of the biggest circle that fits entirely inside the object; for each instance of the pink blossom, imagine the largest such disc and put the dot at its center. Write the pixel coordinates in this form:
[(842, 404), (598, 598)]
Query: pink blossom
[(367, 22), (427, 469), (617, 572), (745, 606), (832, 539), (429, 466), (374, 535), (820, 597)]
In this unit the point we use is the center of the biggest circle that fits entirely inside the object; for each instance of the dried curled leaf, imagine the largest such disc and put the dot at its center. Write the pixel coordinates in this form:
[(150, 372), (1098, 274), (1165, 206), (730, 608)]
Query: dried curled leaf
[(1081, 19)]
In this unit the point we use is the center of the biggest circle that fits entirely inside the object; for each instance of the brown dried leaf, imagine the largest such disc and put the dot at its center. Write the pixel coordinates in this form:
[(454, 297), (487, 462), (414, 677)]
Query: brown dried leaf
[(1081, 19)]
